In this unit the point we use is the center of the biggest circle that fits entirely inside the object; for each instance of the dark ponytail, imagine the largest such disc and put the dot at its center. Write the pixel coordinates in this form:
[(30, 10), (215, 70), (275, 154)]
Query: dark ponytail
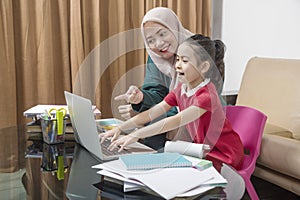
[(213, 51), (219, 61)]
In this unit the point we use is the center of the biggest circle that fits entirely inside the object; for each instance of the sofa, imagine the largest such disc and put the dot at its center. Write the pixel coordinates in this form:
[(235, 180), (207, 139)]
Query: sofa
[(273, 86)]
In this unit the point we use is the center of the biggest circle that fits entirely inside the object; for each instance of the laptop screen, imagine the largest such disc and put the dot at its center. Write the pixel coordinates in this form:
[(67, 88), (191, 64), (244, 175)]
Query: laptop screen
[(83, 121)]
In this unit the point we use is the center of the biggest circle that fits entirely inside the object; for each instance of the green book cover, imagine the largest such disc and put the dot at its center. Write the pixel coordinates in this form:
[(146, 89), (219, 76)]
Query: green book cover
[(203, 164), (199, 163)]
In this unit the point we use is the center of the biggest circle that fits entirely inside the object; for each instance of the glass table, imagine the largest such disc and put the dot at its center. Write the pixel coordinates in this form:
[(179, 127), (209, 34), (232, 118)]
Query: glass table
[(32, 169)]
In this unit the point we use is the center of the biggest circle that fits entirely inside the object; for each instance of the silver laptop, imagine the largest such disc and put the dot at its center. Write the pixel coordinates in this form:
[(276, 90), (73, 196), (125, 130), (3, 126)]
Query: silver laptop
[(86, 132)]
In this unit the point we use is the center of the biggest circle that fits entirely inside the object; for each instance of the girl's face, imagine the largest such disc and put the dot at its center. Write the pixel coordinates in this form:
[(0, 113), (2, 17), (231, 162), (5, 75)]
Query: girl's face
[(160, 39), (186, 66)]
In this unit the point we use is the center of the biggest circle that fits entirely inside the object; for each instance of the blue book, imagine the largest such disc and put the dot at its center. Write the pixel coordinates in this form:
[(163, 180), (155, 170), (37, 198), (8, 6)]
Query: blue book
[(154, 160)]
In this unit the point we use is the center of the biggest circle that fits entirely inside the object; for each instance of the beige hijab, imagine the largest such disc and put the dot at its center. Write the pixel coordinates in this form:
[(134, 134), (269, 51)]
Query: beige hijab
[(169, 19)]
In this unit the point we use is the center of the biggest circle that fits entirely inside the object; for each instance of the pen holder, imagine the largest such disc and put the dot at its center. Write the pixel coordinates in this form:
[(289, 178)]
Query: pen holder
[(54, 160), (53, 130)]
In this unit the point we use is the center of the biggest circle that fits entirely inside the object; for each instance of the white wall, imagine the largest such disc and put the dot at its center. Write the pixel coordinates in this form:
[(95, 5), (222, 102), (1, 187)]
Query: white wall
[(265, 28)]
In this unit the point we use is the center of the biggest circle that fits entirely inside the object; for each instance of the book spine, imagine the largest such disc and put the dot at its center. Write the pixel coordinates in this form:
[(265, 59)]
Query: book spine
[(155, 166)]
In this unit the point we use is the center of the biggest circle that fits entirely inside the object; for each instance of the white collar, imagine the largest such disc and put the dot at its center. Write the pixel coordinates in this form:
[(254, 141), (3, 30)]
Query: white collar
[(195, 89)]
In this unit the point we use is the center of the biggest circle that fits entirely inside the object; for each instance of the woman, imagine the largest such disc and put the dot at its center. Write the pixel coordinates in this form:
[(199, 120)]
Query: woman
[(162, 32)]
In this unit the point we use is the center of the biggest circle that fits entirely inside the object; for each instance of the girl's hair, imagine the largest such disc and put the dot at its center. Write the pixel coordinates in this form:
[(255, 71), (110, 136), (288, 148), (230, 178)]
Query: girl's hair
[(213, 52)]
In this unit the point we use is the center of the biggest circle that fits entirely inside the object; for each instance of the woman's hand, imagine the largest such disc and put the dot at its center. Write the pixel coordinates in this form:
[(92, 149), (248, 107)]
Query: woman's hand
[(133, 95), (114, 133), (125, 111), (123, 141)]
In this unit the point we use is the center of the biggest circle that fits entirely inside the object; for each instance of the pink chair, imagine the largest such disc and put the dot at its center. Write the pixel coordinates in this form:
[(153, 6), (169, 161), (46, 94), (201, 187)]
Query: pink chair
[(249, 123)]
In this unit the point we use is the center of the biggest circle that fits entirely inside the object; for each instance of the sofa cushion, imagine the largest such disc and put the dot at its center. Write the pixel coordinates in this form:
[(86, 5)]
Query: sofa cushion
[(280, 154), (277, 130), (272, 86)]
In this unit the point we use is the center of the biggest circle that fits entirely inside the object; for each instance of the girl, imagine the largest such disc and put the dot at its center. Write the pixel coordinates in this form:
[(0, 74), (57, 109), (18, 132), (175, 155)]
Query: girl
[(201, 111)]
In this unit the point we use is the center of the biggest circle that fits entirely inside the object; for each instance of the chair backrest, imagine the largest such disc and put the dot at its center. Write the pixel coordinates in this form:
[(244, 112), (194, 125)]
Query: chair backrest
[(249, 123), (236, 185)]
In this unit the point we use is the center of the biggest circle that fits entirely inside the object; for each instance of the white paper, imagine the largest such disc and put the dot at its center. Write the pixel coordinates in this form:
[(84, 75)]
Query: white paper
[(129, 187), (196, 191), (170, 182), (218, 179), (117, 167), (167, 182), (129, 184), (185, 148), (40, 109)]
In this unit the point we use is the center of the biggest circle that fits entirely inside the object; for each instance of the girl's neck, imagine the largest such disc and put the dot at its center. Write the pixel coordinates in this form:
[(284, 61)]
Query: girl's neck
[(191, 92), (195, 83)]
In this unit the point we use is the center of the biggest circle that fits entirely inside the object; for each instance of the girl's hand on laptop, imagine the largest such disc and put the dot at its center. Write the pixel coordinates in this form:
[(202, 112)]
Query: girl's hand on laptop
[(114, 133), (123, 142)]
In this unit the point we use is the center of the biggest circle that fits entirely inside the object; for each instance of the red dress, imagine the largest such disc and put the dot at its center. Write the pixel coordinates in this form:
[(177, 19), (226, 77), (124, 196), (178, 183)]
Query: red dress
[(212, 127)]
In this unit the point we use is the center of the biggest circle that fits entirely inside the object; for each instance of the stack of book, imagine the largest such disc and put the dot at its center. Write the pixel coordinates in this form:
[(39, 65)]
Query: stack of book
[(34, 129), (169, 174)]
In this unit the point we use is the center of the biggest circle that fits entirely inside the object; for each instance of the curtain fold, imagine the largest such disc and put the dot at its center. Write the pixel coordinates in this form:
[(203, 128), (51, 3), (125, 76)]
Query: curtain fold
[(41, 36), (8, 99), (45, 43)]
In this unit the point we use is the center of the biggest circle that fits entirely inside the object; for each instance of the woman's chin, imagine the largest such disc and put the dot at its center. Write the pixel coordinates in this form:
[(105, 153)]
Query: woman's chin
[(166, 55)]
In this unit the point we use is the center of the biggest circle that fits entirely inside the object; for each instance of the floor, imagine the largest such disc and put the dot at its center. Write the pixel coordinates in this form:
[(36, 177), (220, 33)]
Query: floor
[(268, 191), (11, 187)]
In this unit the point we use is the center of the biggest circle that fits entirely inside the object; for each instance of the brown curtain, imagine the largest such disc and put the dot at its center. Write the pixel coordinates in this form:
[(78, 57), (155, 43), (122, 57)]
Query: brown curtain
[(45, 42)]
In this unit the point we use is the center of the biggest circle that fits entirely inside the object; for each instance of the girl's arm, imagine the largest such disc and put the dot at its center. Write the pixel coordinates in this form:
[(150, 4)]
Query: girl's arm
[(137, 121), (146, 116), (170, 123), (182, 118)]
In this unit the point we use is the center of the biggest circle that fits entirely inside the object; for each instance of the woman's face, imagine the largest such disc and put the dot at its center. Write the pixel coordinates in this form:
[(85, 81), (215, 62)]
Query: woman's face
[(160, 39)]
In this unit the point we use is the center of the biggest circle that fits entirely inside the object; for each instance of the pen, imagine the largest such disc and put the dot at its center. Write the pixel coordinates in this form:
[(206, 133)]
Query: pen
[(47, 114)]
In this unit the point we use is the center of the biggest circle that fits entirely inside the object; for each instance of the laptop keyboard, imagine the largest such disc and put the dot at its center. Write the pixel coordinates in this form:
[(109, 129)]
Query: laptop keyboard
[(107, 152), (107, 142)]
